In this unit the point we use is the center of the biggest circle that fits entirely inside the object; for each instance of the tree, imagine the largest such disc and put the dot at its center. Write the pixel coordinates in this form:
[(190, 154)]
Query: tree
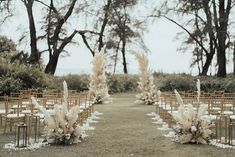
[(234, 58), (55, 35), (116, 26), (7, 10), (34, 55), (125, 28), (221, 26), (210, 33)]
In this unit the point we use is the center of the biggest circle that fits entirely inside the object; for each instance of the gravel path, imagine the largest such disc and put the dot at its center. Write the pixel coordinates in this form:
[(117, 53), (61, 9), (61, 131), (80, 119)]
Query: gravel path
[(123, 131)]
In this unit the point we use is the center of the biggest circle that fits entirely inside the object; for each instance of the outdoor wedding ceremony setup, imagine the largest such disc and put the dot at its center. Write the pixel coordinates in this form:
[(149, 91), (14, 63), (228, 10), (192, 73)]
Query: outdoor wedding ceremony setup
[(117, 78)]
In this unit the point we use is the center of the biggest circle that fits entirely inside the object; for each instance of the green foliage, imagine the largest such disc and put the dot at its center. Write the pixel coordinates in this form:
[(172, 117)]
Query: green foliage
[(187, 83), (16, 77), (169, 82), (116, 83), (122, 83), (30, 77), (76, 82), (230, 86), (4, 70), (6, 45), (9, 84)]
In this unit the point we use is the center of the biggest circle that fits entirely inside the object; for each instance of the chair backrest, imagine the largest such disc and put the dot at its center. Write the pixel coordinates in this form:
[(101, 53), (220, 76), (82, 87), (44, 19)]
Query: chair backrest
[(14, 104), (83, 98)]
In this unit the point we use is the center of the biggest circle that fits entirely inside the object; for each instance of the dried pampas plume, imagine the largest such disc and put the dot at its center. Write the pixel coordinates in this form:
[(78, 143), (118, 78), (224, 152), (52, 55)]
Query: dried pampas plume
[(198, 90), (148, 92), (62, 126), (191, 128), (98, 87), (65, 86), (178, 97)]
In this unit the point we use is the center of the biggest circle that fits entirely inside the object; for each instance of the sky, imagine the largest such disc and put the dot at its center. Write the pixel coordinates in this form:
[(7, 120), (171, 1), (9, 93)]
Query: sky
[(160, 39)]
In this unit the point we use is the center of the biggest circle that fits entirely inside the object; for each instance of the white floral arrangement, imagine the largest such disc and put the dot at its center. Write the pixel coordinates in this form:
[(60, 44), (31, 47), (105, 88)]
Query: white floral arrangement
[(148, 91), (191, 127), (98, 87), (62, 126)]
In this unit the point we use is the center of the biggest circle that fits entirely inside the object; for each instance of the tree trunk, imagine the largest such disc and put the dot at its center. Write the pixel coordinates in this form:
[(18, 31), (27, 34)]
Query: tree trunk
[(207, 64), (52, 64), (34, 56), (124, 57), (116, 57), (105, 21), (222, 35), (234, 58)]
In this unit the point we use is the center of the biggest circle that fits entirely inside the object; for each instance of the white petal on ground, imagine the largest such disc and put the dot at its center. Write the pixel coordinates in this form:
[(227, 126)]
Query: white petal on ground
[(151, 114), (220, 145), (97, 113), (171, 134), (164, 127), (34, 146)]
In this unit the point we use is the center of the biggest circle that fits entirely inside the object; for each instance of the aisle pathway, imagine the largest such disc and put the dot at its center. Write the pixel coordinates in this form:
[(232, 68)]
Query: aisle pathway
[(124, 131)]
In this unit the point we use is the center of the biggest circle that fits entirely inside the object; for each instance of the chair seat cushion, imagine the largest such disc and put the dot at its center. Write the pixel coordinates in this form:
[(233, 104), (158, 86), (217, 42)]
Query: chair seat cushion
[(41, 115), (15, 116), (2, 111), (26, 111)]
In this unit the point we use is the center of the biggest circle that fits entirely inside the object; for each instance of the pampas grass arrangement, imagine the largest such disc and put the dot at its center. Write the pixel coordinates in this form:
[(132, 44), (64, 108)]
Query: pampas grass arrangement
[(98, 87), (148, 92), (62, 126), (191, 128)]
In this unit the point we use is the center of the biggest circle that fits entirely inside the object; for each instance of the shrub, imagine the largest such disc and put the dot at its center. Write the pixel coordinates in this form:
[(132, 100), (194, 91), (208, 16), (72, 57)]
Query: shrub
[(230, 86), (9, 84), (4, 70), (122, 83), (16, 77), (30, 77), (169, 82), (77, 82)]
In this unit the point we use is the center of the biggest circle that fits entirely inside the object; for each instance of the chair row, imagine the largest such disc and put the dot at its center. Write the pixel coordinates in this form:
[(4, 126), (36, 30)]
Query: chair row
[(16, 109), (167, 105)]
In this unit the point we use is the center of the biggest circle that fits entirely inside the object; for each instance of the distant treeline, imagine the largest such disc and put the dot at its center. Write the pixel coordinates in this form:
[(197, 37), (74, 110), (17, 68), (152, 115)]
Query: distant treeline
[(16, 77)]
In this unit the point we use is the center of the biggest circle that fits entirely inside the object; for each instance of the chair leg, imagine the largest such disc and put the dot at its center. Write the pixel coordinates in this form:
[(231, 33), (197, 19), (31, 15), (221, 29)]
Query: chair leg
[(11, 125), (6, 121)]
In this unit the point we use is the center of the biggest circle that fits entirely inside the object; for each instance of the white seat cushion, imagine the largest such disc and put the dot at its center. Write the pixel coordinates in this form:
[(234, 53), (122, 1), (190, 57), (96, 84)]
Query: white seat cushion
[(41, 115), (15, 115), (26, 111), (16, 106), (232, 117), (216, 108), (208, 117), (26, 102), (228, 105), (2, 111), (228, 112)]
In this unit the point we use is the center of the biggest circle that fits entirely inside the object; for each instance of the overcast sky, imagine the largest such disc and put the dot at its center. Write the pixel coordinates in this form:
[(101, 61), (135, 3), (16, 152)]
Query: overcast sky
[(160, 39)]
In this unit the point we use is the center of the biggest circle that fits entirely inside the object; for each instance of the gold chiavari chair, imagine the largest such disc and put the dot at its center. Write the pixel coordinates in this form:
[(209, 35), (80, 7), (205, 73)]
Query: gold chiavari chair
[(216, 106), (12, 116), (2, 109), (227, 108), (218, 94)]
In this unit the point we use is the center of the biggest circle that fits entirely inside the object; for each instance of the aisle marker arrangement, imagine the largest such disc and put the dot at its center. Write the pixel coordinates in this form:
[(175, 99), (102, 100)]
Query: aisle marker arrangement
[(147, 89), (61, 125), (98, 87)]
